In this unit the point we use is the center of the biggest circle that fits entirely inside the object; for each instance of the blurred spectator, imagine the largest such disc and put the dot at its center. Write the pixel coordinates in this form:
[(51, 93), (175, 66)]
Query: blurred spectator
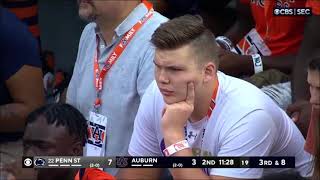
[(21, 87), (49, 130), (61, 81), (310, 47), (55, 81), (268, 50), (175, 8), (48, 68), (216, 15), (111, 97), (27, 12), (312, 142)]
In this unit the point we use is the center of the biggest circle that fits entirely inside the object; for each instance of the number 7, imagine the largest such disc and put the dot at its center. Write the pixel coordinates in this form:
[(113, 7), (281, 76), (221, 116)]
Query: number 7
[(110, 162)]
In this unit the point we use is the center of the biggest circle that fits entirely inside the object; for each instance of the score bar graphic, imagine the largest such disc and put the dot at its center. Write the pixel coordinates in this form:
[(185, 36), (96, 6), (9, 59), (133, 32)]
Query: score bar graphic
[(68, 162), (157, 162)]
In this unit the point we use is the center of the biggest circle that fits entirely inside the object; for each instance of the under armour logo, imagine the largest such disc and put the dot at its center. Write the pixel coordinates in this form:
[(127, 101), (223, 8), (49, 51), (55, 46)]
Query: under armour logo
[(191, 135)]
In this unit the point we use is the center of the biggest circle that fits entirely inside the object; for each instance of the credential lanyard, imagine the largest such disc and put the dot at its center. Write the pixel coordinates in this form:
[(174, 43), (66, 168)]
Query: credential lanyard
[(210, 109), (213, 99), (114, 56)]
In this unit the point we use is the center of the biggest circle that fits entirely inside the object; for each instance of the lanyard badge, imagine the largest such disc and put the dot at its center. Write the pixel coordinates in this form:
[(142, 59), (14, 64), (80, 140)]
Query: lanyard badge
[(114, 56), (97, 131), (97, 124)]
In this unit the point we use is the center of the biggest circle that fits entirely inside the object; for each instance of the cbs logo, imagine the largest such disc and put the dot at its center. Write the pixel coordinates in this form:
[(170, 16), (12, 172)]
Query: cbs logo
[(292, 12), (283, 12), (27, 162)]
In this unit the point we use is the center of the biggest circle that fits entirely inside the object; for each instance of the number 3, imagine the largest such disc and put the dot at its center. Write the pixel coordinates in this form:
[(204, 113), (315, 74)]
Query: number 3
[(194, 162)]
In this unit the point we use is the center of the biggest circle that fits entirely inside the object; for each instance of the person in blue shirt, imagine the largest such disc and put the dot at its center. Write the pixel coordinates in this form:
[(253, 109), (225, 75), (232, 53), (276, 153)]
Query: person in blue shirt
[(21, 87)]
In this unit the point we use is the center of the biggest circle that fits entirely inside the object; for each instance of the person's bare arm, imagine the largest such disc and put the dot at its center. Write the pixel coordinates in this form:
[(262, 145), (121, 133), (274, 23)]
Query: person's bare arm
[(237, 65), (26, 90), (282, 63), (310, 45), (192, 173), (134, 173), (173, 120), (243, 24)]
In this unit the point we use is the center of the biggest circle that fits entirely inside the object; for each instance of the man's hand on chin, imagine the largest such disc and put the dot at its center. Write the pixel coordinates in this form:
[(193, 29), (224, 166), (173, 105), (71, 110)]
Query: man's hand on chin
[(175, 117)]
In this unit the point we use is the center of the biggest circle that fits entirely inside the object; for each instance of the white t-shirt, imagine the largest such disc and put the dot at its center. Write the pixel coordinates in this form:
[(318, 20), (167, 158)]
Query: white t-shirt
[(245, 122)]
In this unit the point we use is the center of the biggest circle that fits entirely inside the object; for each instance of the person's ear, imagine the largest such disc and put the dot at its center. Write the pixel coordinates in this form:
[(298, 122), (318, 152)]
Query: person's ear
[(210, 70), (77, 148)]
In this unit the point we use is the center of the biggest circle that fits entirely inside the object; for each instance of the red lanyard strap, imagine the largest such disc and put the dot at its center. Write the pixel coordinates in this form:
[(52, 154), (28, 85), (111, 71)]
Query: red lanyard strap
[(213, 99), (211, 107), (147, 4), (114, 56)]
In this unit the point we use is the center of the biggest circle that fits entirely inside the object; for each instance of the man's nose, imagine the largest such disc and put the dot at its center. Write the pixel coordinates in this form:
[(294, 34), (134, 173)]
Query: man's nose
[(163, 77)]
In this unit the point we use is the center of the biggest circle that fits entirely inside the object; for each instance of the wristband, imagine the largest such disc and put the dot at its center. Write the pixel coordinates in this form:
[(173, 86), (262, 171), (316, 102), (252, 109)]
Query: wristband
[(176, 147), (225, 41), (257, 63)]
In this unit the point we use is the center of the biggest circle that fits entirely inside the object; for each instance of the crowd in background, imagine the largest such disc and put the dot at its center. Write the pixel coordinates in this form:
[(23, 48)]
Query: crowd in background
[(127, 58)]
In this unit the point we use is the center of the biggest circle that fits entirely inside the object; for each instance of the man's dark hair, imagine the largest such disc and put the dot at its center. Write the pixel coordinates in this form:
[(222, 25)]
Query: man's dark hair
[(315, 64), (62, 115), (187, 30)]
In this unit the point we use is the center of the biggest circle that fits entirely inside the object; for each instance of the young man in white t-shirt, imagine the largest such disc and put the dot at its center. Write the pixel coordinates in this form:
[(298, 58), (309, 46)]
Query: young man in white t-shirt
[(216, 114)]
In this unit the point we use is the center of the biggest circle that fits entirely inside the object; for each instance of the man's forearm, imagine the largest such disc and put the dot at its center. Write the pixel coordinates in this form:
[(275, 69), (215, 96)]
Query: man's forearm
[(243, 65), (187, 173), (282, 63), (12, 117), (243, 24), (238, 31), (182, 173)]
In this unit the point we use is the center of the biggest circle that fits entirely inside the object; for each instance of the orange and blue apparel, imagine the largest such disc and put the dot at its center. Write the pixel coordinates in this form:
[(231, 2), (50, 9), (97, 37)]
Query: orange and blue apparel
[(27, 12), (315, 6), (93, 174), (281, 34)]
